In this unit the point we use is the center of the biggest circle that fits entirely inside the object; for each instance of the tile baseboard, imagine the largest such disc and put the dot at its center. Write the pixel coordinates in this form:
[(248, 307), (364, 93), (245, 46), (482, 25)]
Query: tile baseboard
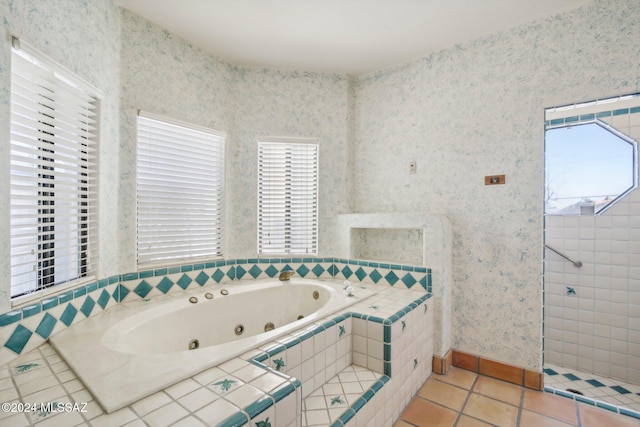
[(491, 368), (441, 365)]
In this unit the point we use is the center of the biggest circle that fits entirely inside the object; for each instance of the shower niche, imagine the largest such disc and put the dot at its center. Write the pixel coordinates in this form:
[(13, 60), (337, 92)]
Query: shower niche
[(392, 245)]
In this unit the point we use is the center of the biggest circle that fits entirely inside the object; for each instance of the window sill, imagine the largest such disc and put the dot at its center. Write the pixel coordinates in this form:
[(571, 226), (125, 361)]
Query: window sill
[(25, 300)]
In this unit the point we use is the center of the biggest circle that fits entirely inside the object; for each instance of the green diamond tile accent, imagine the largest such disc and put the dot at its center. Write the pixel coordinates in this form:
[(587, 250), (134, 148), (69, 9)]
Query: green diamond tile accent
[(333, 270), (361, 274), (231, 273), (391, 278), (104, 299), (594, 383), (240, 272), (218, 275), (620, 389), (164, 285), (184, 281), (87, 306), (142, 289), (346, 271), (318, 270), (202, 278), (255, 271), (68, 314), (571, 377), (409, 280), (120, 293), (46, 326), (271, 271), (18, 339), (375, 276), (302, 270)]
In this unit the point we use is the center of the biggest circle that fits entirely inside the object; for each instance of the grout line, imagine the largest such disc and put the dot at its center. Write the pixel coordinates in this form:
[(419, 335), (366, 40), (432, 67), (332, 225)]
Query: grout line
[(520, 407)]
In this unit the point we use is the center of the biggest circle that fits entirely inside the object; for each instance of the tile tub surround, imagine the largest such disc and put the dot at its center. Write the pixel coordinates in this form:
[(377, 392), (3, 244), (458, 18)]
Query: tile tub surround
[(25, 328), (149, 339), (240, 390)]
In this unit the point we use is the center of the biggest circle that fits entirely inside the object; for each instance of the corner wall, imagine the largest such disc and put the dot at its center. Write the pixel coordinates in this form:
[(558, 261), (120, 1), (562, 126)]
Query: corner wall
[(84, 37), (477, 109)]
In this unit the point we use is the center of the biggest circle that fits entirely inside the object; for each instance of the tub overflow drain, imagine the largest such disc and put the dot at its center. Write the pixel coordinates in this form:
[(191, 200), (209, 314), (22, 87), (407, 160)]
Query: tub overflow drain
[(269, 327), (300, 316), (239, 329), (194, 344), (316, 295)]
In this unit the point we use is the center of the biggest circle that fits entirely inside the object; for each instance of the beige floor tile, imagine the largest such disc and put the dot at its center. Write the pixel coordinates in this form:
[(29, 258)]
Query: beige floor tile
[(533, 419), (467, 421), (597, 417), (491, 410), (458, 377), (557, 407), (499, 390), (423, 413), (445, 394)]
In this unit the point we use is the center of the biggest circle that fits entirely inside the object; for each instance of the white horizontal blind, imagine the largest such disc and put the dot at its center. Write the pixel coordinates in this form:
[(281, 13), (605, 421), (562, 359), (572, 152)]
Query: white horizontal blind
[(180, 183), (53, 176), (287, 198)]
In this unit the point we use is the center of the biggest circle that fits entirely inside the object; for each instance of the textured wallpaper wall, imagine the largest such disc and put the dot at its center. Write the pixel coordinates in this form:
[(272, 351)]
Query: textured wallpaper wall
[(84, 37), (471, 110), (477, 109)]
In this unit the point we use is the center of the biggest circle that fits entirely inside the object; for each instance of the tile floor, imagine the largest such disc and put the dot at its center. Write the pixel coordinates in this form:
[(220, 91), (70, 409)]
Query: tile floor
[(592, 386), (326, 404), (465, 399)]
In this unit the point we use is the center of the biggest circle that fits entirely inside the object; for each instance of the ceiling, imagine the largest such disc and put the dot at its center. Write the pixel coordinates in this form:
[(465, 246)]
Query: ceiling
[(339, 36)]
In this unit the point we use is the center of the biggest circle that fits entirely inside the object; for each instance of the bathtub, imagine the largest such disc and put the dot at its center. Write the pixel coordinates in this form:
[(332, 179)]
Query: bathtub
[(147, 345)]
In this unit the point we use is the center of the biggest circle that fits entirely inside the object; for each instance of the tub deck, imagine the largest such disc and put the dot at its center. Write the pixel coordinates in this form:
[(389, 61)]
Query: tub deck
[(250, 386)]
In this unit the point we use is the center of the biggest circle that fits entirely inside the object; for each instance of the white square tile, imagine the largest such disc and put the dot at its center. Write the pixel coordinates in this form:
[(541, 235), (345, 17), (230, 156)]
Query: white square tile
[(198, 399), (183, 387), (244, 395), (150, 403), (216, 412), (165, 415)]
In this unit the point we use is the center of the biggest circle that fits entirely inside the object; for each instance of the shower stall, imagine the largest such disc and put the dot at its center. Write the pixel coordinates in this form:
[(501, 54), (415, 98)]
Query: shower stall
[(592, 252)]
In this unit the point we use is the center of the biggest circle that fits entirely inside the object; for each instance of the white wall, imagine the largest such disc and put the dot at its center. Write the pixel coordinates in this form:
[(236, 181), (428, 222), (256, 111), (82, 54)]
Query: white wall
[(165, 75), (477, 109), (84, 37), (472, 110), (290, 104)]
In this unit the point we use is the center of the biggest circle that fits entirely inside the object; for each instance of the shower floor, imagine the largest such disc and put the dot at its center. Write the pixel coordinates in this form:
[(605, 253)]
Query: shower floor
[(600, 389)]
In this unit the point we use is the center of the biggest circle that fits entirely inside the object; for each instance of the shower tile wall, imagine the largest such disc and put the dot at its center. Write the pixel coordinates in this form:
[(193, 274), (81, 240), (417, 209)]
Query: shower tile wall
[(592, 313)]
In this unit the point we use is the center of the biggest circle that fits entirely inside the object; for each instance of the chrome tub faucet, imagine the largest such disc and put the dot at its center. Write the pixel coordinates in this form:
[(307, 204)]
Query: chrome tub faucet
[(286, 275)]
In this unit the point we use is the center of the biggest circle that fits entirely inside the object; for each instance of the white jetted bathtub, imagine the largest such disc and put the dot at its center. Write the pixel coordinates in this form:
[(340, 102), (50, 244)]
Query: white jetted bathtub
[(133, 350)]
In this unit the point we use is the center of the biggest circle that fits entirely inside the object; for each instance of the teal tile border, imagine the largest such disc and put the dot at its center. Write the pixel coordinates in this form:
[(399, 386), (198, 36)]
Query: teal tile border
[(135, 285), (572, 120), (594, 402), (262, 360)]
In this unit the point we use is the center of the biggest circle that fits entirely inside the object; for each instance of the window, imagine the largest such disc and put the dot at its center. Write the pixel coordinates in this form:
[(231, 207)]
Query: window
[(180, 181), (53, 174), (590, 155), (287, 198)]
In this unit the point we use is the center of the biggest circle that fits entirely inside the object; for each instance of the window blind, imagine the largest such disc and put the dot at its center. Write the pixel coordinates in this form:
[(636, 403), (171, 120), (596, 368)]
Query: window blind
[(180, 182), (53, 186), (287, 198)]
